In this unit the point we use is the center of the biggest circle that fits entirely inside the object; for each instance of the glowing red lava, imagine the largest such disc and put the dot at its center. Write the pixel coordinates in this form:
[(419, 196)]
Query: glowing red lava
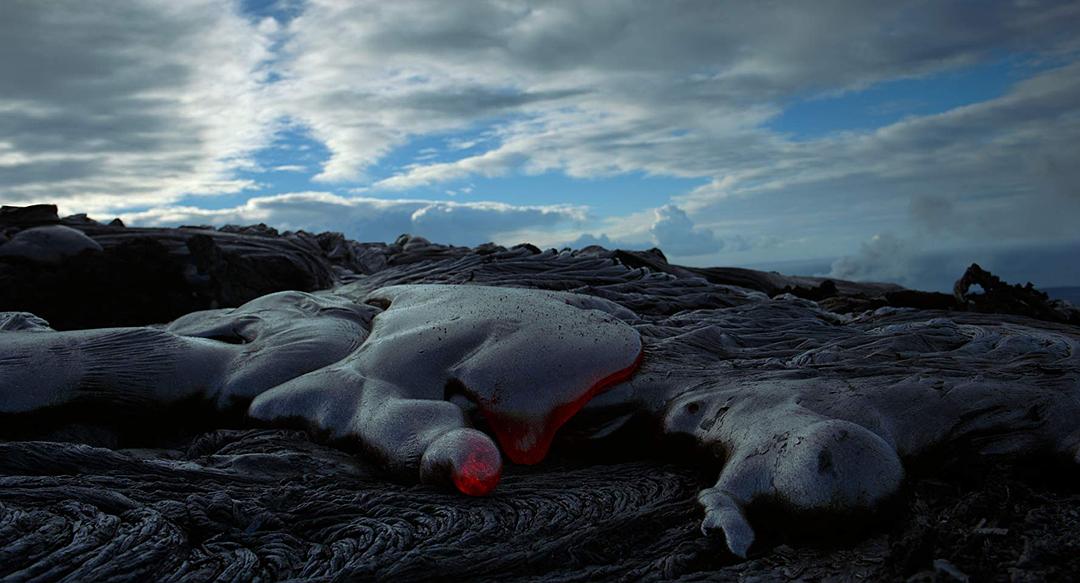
[(524, 443), (477, 476)]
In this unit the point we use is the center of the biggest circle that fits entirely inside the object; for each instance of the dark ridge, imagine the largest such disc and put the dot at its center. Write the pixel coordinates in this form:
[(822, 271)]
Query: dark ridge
[(154, 275)]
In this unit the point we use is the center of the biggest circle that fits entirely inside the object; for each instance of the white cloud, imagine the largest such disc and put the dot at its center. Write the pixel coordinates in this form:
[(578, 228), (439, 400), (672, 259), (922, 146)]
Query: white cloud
[(136, 103), (488, 164), (592, 89), (667, 227), (290, 168), (884, 258), (588, 239), (373, 219), (677, 236), (128, 102)]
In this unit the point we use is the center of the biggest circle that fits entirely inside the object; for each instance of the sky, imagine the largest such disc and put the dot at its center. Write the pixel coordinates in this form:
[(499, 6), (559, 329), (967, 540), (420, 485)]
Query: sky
[(885, 141)]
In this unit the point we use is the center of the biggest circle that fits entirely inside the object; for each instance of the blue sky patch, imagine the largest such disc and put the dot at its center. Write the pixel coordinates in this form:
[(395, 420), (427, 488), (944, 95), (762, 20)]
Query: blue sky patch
[(888, 102), (280, 10), (286, 165)]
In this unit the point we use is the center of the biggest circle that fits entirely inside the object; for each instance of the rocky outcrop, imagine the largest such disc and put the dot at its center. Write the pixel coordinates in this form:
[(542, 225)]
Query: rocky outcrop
[(999, 297), (78, 273), (152, 275)]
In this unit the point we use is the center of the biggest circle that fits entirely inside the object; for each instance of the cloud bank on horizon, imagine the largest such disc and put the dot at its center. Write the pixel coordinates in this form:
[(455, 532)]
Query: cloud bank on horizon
[(724, 132)]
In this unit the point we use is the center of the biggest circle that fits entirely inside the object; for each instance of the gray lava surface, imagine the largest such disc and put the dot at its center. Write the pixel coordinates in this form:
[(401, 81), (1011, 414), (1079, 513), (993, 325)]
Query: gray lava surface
[(993, 498)]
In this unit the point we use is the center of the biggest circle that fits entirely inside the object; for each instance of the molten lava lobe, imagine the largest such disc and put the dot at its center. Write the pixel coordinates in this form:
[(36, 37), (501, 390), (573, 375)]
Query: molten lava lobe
[(467, 458), (526, 441), (479, 475), (529, 359)]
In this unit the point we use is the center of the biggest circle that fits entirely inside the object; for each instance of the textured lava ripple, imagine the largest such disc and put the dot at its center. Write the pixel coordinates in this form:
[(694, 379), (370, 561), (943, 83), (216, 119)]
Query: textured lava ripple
[(227, 509)]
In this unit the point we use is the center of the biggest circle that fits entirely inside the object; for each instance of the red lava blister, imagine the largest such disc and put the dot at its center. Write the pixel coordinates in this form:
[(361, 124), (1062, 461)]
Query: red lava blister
[(477, 476)]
